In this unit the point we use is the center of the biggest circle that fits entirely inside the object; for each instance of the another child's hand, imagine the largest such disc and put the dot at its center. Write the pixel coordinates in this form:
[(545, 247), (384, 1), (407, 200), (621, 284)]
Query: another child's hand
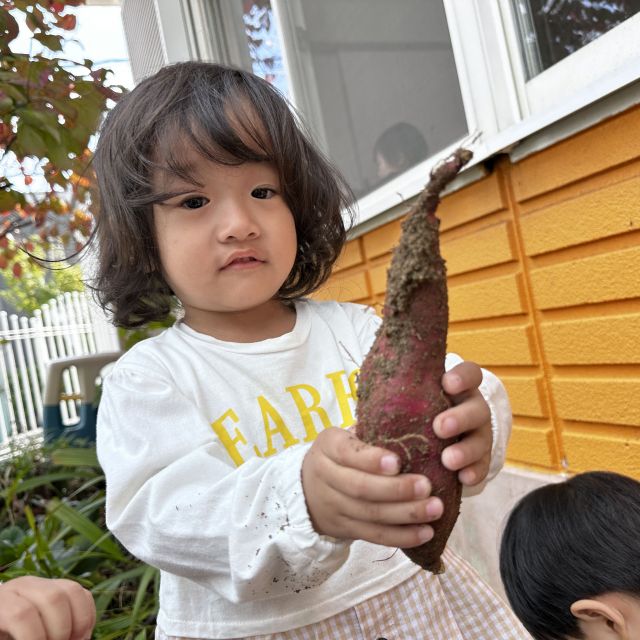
[(470, 419), (354, 491), (42, 609)]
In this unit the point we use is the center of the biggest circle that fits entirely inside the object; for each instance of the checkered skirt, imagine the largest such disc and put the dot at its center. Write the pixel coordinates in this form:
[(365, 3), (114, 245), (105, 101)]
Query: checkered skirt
[(454, 605)]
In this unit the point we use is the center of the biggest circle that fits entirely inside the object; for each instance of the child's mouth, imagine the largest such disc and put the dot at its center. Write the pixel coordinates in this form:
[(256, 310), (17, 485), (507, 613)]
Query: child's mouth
[(247, 262)]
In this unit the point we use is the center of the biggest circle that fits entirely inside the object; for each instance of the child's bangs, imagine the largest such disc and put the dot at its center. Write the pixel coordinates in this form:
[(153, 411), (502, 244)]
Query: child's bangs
[(229, 135)]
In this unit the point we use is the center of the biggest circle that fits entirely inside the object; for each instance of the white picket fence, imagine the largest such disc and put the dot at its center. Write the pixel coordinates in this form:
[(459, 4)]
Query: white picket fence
[(68, 325)]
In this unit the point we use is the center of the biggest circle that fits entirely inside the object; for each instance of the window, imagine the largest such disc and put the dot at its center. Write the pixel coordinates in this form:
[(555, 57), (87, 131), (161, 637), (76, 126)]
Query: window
[(551, 30), (571, 50), (388, 86), (264, 44), (378, 81), (375, 80)]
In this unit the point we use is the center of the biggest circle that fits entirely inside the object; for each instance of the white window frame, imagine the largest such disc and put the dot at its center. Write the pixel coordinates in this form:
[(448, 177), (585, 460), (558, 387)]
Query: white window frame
[(504, 111), (612, 61)]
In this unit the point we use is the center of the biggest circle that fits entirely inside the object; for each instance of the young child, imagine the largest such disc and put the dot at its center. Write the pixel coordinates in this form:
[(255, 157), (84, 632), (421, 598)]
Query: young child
[(570, 559), (37, 608), (224, 440)]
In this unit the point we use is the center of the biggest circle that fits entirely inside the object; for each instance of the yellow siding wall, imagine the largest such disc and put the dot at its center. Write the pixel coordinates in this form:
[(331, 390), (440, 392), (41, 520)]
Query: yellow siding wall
[(543, 259)]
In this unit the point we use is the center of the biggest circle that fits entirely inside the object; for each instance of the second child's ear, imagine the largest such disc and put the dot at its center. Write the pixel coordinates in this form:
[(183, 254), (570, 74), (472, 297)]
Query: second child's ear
[(600, 619)]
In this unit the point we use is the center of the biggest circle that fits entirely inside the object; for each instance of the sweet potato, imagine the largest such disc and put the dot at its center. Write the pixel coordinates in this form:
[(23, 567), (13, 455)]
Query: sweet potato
[(399, 385)]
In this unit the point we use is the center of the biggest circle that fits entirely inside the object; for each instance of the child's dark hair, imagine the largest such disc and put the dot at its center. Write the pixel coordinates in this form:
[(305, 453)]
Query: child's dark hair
[(229, 116), (570, 541), (402, 145)]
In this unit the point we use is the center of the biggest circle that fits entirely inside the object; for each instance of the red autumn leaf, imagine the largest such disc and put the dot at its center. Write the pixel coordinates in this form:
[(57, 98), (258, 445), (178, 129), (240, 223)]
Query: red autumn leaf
[(17, 269), (68, 22)]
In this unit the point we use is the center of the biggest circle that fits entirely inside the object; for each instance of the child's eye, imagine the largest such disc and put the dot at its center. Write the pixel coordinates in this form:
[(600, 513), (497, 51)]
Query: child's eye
[(194, 202), (263, 193)]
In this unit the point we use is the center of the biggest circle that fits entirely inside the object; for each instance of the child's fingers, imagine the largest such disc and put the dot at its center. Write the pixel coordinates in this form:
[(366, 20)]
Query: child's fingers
[(462, 378), (50, 599), (83, 609), (361, 485), (19, 618), (470, 415), (403, 536), (390, 513), (467, 451), (348, 451), (475, 473)]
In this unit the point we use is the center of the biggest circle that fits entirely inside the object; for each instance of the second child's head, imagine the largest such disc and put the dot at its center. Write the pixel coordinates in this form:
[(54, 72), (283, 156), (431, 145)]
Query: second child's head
[(570, 559), (212, 193)]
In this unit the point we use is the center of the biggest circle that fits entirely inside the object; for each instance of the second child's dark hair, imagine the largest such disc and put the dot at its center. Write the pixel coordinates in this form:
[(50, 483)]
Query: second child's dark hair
[(570, 541), (228, 116)]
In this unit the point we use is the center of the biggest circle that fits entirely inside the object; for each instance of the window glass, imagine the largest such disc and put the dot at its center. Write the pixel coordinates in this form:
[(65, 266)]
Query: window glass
[(550, 30), (263, 40), (375, 80)]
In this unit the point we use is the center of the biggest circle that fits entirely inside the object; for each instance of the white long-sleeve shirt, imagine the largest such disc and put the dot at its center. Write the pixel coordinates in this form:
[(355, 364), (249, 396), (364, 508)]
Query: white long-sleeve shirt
[(202, 443)]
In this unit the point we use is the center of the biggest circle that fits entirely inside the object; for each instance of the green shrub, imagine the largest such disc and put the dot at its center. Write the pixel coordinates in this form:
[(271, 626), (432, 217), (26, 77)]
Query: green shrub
[(52, 525), (37, 284)]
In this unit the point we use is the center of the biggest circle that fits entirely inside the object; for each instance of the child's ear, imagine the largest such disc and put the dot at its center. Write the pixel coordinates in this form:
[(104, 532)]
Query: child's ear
[(596, 615)]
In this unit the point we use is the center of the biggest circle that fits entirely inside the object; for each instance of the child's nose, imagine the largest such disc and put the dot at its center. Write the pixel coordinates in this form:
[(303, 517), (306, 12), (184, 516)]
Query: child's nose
[(237, 224)]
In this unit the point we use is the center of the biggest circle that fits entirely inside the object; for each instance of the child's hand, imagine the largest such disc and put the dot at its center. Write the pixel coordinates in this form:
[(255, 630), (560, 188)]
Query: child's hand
[(353, 491), (470, 419), (42, 609)]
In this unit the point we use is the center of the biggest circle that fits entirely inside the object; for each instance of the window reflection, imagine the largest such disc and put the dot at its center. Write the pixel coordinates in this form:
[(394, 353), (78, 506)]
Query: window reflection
[(263, 39), (551, 30), (397, 149)]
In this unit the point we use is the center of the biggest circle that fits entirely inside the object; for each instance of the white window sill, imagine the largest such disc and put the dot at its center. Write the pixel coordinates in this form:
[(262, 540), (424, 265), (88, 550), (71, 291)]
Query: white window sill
[(588, 107)]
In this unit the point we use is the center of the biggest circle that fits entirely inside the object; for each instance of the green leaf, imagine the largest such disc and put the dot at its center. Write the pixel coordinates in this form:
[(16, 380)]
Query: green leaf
[(104, 591), (76, 457), (149, 574), (51, 42), (15, 92), (6, 105), (9, 200), (45, 121), (80, 523), (65, 107), (29, 142), (38, 481)]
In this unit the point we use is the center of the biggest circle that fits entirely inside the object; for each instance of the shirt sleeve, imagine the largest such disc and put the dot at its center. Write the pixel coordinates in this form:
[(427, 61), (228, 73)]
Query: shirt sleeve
[(175, 502)]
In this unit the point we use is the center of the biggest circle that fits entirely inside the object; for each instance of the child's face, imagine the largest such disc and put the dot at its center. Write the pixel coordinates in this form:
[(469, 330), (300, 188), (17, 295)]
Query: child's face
[(226, 244)]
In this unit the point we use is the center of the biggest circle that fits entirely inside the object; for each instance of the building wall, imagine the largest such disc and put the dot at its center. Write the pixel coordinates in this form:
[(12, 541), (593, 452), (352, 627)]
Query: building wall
[(543, 259)]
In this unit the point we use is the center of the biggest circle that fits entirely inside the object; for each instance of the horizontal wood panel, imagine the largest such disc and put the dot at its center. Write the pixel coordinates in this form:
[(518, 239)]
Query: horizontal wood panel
[(606, 212), (472, 202), (487, 247), (344, 289), (351, 256), (609, 400), (378, 277), (533, 446), (486, 299), (382, 240), (604, 340), (526, 395), (610, 276), (596, 149), (503, 346), (586, 451)]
